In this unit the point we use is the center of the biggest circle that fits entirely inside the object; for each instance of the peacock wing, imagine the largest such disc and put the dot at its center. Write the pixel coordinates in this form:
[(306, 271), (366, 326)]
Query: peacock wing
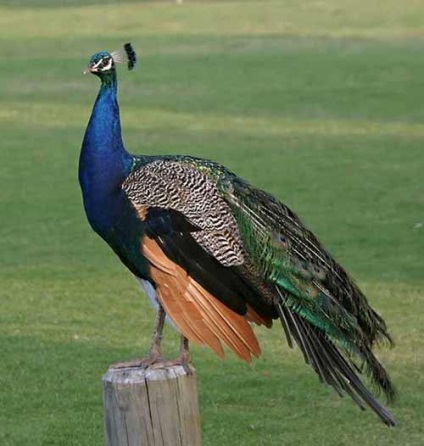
[(188, 245)]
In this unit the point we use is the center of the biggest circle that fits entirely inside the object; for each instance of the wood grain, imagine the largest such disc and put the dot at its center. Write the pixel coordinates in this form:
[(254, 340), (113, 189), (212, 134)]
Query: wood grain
[(151, 407)]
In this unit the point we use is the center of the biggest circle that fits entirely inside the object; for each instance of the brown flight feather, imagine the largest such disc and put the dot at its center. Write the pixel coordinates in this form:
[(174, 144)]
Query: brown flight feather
[(254, 317), (199, 316)]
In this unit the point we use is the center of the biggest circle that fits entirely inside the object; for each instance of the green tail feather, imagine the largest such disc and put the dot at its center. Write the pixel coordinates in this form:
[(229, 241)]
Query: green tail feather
[(278, 268)]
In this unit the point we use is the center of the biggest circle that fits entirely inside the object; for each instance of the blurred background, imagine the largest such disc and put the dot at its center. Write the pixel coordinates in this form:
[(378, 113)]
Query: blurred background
[(318, 102)]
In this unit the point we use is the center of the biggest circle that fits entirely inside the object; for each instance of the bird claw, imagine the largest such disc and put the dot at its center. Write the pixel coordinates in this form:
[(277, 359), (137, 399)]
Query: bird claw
[(143, 363), (156, 363), (155, 360), (183, 360)]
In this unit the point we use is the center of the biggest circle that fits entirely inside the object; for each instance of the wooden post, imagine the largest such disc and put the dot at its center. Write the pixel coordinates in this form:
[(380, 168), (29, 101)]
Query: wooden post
[(151, 407)]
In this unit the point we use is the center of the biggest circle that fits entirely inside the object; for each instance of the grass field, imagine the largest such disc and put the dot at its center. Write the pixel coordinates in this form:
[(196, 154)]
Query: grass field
[(319, 102)]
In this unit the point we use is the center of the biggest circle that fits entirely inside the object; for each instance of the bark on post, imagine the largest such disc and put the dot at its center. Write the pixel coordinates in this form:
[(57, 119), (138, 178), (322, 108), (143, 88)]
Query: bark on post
[(151, 407)]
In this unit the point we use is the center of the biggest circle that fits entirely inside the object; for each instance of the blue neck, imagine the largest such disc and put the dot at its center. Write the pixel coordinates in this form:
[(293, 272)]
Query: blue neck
[(104, 162)]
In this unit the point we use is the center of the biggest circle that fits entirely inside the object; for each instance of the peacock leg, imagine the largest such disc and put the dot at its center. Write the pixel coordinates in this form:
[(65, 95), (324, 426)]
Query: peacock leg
[(184, 351), (157, 335), (185, 355), (155, 356), (183, 359)]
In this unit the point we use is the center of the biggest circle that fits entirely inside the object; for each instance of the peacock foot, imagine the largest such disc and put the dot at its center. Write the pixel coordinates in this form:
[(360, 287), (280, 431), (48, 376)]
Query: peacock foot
[(183, 360), (142, 363), (154, 358)]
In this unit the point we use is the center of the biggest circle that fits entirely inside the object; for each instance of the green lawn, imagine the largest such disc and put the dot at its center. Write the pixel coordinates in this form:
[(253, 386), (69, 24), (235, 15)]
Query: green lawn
[(319, 102)]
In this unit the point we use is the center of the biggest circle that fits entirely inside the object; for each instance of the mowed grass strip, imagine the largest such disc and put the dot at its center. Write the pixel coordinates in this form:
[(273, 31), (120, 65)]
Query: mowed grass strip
[(358, 18), (49, 115), (316, 102)]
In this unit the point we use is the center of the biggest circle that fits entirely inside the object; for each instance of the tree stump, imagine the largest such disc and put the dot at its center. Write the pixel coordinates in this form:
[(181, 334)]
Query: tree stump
[(151, 407)]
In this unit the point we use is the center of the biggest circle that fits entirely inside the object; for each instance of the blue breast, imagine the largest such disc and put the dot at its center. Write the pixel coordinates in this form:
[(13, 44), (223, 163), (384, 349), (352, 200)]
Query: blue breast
[(104, 165)]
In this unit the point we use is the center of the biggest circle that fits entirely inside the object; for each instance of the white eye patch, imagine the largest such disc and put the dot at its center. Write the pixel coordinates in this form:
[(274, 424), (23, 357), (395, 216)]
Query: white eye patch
[(101, 66)]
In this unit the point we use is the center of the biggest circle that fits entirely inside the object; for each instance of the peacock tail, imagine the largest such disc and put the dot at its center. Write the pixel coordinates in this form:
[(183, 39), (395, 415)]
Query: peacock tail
[(219, 255)]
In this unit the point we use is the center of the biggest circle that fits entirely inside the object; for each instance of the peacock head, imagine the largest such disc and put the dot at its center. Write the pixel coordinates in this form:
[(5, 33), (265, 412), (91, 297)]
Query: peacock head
[(103, 64)]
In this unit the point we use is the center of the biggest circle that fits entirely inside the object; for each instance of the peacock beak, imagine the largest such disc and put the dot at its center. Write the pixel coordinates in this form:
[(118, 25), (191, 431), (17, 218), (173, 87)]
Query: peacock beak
[(90, 69)]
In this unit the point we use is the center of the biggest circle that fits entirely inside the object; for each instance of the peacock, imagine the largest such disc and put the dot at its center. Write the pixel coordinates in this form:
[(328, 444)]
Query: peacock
[(216, 255)]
